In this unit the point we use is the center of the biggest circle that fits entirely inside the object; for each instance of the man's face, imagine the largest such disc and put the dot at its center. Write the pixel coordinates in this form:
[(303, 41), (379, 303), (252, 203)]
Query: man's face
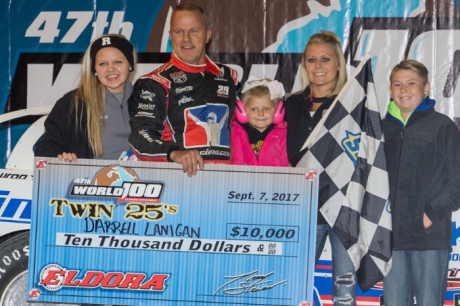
[(189, 37)]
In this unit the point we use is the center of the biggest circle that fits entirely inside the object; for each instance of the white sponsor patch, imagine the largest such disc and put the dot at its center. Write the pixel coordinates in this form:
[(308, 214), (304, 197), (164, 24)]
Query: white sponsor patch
[(147, 95)]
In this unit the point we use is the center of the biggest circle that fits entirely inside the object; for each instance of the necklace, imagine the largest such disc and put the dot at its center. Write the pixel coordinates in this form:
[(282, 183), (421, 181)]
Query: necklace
[(320, 100)]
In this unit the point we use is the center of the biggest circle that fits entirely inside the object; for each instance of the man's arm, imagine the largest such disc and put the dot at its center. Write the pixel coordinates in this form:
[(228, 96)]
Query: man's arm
[(148, 114)]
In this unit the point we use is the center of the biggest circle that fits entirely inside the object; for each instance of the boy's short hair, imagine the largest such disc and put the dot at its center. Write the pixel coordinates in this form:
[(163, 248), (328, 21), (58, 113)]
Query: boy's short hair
[(412, 65)]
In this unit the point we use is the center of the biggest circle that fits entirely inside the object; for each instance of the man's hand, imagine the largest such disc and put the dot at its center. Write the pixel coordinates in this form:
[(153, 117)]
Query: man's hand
[(189, 159), (426, 221), (68, 157)]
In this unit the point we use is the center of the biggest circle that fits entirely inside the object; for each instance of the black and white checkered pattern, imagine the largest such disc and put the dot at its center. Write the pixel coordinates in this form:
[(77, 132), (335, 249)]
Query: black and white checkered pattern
[(346, 148)]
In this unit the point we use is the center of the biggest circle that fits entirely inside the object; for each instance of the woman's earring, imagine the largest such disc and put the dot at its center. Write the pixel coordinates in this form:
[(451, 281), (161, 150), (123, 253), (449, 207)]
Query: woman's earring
[(95, 73), (130, 68)]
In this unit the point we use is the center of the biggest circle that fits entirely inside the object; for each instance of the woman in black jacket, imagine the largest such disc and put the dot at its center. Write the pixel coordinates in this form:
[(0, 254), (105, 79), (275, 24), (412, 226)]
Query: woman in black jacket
[(92, 121), (323, 72)]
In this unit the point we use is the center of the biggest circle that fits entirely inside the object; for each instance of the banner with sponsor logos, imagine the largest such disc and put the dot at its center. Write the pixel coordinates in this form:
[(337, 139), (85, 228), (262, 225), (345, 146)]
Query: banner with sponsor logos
[(136, 233), (43, 42)]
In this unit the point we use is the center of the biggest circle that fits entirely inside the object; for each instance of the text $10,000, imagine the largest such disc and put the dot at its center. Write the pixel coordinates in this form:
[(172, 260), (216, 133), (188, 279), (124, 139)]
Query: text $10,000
[(256, 232)]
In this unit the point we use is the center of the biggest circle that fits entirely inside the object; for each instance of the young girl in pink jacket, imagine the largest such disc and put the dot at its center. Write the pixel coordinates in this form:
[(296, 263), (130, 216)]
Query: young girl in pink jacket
[(258, 137)]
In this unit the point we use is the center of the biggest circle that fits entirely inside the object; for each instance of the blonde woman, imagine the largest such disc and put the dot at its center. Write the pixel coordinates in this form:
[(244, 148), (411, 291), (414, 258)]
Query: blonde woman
[(92, 121), (323, 72)]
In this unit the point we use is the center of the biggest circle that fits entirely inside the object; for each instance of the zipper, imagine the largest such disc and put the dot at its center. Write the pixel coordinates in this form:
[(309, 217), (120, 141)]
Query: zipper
[(392, 205)]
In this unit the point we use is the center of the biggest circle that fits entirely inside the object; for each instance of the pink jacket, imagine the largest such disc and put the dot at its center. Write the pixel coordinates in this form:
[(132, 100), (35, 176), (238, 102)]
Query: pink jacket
[(272, 153)]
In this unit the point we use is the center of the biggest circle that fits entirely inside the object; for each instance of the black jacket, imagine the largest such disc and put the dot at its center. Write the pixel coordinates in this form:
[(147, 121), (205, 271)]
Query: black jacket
[(423, 162), (60, 132), (180, 106), (300, 122), (62, 135)]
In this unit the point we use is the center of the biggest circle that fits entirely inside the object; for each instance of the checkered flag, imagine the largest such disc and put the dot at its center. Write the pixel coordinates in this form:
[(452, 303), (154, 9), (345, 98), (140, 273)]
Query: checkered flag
[(346, 148)]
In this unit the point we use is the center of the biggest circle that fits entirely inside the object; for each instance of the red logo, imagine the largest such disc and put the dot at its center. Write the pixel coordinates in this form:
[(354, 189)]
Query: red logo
[(34, 294), (379, 285), (453, 284), (303, 303), (453, 281), (41, 164), (311, 175), (53, 277)]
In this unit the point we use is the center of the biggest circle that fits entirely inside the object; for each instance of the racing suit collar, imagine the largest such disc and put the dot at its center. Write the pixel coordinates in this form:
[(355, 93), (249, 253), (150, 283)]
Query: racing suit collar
[(209, 65)]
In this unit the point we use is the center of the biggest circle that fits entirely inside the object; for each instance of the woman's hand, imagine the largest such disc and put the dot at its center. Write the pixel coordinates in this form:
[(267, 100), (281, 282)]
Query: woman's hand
[(67, 157)]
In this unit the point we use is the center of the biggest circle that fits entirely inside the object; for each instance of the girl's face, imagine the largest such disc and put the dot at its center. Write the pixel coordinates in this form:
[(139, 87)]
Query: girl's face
[(322, 66), (408, 90), (112, 69), (261, 112)]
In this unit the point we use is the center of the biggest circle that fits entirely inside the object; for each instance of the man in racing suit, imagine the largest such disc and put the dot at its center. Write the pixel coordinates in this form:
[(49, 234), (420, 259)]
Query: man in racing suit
[(181, 111)]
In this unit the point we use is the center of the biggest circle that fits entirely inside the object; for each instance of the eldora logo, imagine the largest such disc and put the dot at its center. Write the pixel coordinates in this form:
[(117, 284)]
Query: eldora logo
[(310, 175), (53, 277), (120, 182), (34, 293), (57, 281), (41, 164)]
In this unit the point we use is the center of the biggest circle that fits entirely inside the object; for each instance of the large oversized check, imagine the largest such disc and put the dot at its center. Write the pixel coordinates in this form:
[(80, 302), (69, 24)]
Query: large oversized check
[(139, 233)]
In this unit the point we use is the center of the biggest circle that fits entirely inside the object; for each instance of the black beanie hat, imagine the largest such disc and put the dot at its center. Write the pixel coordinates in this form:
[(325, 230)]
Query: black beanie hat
[(118, 42)]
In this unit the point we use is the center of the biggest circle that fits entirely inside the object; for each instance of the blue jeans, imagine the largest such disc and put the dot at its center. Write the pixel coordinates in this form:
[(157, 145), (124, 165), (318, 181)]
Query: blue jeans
[(343, 270), (423, 273)]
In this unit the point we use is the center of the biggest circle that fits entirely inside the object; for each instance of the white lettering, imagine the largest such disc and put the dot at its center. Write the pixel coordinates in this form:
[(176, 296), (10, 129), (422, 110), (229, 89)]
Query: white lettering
[(77, 190), (106, 41), (82, 20)]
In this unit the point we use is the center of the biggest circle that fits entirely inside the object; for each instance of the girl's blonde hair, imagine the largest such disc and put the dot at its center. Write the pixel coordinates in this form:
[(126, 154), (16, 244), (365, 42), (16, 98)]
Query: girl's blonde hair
[(91, 93), (259, 91)]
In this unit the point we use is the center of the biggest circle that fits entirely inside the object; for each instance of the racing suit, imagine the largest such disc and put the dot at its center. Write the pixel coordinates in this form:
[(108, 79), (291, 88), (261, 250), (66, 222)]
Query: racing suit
[(180, 106)]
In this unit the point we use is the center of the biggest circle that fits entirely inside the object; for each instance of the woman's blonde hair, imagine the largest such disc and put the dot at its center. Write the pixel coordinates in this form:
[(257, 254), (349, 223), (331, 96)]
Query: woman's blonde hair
[(326, 37), (91, 93)]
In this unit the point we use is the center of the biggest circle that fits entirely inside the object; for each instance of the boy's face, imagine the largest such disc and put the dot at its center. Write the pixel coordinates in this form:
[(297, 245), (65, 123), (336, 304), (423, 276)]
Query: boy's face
[(261, 111), (407, 90)]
